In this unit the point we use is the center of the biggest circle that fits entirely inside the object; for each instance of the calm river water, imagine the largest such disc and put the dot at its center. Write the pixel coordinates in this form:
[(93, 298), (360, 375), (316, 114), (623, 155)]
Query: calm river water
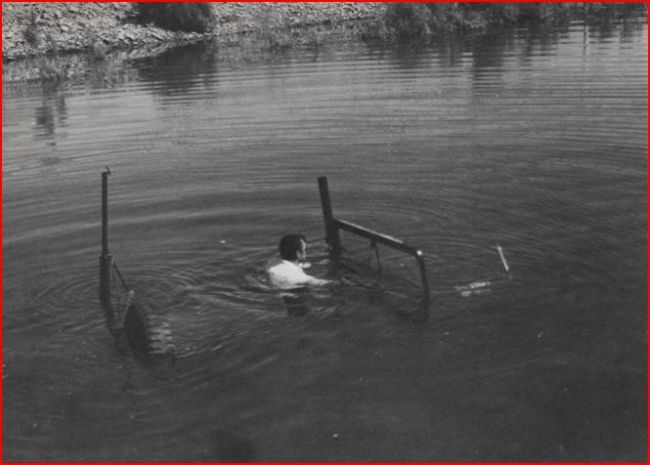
[(532, 141)]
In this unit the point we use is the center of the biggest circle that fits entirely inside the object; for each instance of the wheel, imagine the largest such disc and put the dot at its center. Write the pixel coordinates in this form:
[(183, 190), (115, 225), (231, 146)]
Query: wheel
[(147, 333)]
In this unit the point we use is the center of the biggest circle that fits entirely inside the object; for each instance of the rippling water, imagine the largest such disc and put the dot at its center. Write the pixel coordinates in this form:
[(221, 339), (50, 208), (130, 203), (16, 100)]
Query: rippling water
[(534, 141)]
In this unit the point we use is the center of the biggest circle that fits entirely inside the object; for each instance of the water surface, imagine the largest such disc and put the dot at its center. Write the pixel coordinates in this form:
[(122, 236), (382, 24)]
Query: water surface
[(533, 141)]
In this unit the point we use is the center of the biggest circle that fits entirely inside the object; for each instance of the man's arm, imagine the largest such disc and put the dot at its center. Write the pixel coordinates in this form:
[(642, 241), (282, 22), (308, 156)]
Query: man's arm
[(317, 282), (313, 281)]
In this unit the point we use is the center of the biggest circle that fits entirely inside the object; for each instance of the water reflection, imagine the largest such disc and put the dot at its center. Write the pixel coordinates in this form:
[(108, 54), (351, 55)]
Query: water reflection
[(181, 70), (488, 56), (52, 113), (628, 30), (451, 52), (255, 383)]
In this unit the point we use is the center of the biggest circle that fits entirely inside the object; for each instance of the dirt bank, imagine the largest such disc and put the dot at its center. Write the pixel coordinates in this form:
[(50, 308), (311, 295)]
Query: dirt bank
[(33, 29)]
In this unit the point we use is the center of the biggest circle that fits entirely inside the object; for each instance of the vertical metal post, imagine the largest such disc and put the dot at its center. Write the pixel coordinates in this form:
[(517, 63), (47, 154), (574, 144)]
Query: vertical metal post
[(105, 212), (105, 260), (331, 227), (423, 275)]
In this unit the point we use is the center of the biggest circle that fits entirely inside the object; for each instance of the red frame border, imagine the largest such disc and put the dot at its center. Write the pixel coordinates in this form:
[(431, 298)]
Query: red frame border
[(357, 463)]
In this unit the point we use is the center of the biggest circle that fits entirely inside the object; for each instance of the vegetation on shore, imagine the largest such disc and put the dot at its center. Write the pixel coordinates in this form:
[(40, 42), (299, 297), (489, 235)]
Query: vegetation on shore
[(423, 20), (268, 27), (185, 17)]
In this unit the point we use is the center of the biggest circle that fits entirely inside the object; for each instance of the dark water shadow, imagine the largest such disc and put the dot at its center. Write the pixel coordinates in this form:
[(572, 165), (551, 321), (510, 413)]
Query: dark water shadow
[(52, 113), (297, 303), (174, 71)]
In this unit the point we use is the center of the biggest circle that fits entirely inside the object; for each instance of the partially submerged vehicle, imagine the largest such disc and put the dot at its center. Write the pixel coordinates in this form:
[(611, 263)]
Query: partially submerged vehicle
[(136, 328)]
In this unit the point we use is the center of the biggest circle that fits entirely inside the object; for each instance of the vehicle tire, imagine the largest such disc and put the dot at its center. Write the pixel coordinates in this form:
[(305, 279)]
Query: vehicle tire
[(147, 333)]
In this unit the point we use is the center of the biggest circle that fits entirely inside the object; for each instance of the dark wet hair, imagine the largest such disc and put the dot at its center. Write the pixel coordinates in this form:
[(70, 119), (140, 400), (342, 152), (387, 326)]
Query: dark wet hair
[(290, 246)]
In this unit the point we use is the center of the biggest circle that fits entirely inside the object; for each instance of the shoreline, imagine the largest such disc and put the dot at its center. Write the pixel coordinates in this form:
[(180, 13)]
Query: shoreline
[(32, 30), (59, 42)]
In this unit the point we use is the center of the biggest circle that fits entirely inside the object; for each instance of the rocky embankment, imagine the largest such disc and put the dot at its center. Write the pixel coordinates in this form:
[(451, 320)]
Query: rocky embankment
[(34, 29)]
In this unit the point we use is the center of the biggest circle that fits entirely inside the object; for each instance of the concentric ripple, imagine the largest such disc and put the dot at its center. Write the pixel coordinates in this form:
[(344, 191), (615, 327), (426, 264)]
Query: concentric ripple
[(534, 142)]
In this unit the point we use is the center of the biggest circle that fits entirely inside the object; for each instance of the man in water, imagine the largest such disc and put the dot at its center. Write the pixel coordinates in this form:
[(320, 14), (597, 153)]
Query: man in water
[(288, 272)]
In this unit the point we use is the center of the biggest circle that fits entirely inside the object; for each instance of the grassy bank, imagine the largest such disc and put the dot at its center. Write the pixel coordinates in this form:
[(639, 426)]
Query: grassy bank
[(34, 29), (422, 20), (63, 41), (69, 41)]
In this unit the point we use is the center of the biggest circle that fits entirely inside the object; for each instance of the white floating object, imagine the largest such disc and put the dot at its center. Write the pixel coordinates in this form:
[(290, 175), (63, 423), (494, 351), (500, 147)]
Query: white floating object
[(503, 259), (475, 288)]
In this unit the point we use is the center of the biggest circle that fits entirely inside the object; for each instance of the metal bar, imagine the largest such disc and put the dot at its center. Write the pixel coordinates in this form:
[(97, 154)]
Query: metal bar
[(119, 275), (423, 277), (105, 211), (391, 242), (331, 228), (105, 266), (503, 259), (105, 260), (384, 239)]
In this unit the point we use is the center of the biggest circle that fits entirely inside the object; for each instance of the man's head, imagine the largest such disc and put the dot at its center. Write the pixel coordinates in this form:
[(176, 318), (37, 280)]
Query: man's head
[(293, 247)]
